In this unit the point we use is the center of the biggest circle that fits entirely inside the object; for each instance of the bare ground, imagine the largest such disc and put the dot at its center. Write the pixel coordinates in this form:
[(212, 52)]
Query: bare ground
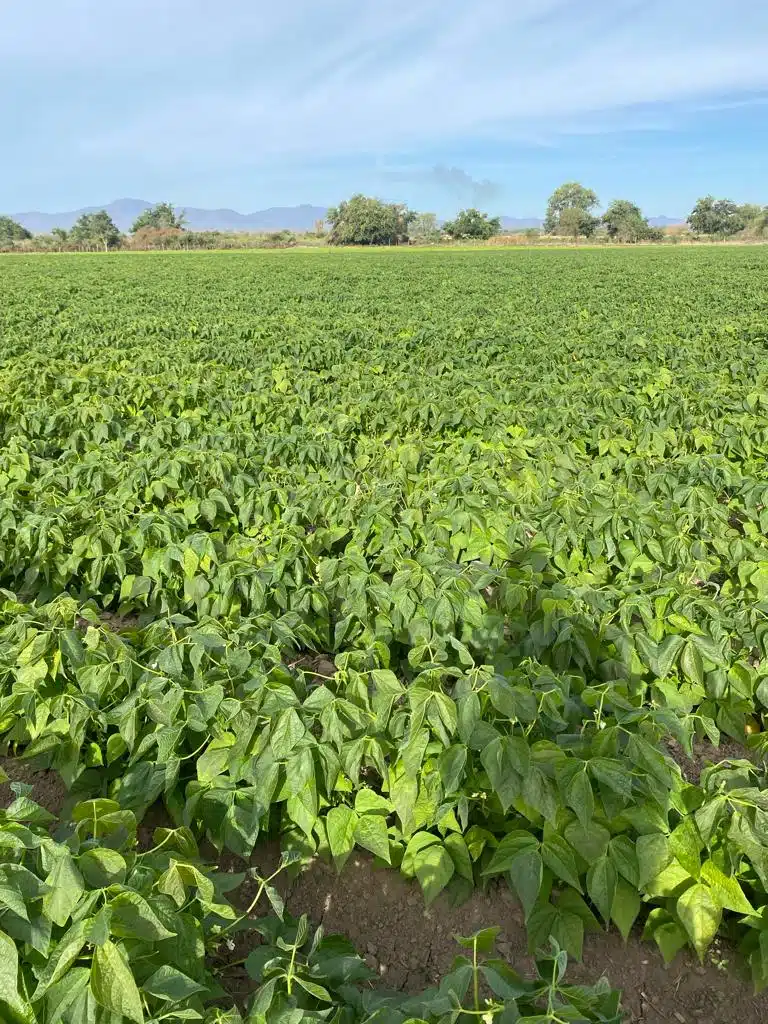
[(410, 946)]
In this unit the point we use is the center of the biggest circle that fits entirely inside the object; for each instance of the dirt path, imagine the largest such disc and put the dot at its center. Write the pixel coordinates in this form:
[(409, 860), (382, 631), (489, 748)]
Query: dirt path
[(410, 946)]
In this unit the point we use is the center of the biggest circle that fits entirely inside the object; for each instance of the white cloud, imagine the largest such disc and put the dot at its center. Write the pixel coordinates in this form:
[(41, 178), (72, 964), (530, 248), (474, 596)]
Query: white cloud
[(306, 81)]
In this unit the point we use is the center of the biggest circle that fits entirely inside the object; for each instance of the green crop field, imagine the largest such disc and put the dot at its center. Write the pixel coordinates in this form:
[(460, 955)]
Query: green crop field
[(459, 558)]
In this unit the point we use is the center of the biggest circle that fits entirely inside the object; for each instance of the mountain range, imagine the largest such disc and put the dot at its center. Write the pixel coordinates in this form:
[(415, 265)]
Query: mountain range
[(293, 218), (125, 211)]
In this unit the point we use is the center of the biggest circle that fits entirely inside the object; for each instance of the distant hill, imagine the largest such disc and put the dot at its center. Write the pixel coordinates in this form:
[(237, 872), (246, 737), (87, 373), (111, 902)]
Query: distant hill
[(294, 218), (125, 211), (665, 222)]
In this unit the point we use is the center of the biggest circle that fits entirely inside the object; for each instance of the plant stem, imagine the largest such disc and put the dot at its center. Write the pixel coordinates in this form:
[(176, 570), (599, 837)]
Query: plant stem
[(475, 976)]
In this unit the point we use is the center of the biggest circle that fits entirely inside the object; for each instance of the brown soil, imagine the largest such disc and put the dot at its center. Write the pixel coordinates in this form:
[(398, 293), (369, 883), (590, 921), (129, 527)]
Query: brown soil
[(317, 666), (120, 623), (410, 946), (47, 788), (705, 753)]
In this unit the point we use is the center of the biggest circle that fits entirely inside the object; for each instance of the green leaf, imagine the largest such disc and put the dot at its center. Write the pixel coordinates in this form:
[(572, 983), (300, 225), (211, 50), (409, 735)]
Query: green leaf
[(112, 984), (700, 914), (133, 917), (23, 881), (601, 886), (341, 823), (540, 924), (100, 926), (170, 984), (484, 941), (61, 996), (525, 875), (434, 869), (116, 747), (499, 757), (172, 884), (670, 938), (468, 711), (71, 647), (685, 844), (9, 981), (102, 867), (417, 842), (539, 793), (11, 898), (513, 702), (314, 989), (213, 761), (558, 857), (669, 882), (625, 907), (725, 889), (170, 661), (452, 764), (568, 931), (578, 796), (369, 802), (759, 963), (653, 855), (65, 888), (667, 653), (612, 774), (691, 664), (24, 809), (66, 951), (371, 834), (570, 901), (457, 847), (509, 849), (623, 853), (92, 811), (302, 805), (709, 649), (589, 841)]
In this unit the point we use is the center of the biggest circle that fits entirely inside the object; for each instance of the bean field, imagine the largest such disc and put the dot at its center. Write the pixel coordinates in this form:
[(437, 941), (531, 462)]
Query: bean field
[(455, 561)]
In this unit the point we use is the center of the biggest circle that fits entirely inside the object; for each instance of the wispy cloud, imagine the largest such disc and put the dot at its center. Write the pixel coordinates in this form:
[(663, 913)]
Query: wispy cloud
[(175, 82), (397, 75)]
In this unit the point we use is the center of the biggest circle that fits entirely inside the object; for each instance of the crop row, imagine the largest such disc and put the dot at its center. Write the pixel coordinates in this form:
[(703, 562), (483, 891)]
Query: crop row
[(516, 505)]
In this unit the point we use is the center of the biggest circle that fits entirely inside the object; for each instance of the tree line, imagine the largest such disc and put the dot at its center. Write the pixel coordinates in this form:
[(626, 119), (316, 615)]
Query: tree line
[(97, 230), (364, 220), (159, 227)]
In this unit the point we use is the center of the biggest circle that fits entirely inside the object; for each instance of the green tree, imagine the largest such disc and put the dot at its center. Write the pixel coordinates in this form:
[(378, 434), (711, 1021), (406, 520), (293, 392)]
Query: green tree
[(424, 229), (624, 222), (760, 223), (12, 231), (161, 215), (472, 223), (575, 222), (363, 220), (718, 217), (755, 218), (95, 230), (570, 196)]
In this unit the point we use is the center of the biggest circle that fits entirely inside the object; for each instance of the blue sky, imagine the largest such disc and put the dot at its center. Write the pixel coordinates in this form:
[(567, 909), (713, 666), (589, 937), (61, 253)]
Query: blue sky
[(439, 103)]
